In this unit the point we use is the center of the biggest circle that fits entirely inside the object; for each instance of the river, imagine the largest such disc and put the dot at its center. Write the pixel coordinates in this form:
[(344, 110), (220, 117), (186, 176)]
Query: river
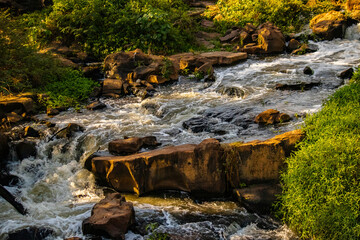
[(60, 194)]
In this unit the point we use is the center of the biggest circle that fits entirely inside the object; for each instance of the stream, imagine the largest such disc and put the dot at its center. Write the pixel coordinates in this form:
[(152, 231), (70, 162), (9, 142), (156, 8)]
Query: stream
[(59, 194)]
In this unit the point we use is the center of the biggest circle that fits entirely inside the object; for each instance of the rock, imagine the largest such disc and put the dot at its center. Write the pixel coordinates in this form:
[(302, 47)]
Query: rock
[(234, 34), (271, 116), (13, 117), (7, 179), (197, 124), (301, 86), (207, 70), (4, 147), (93, 72), (111, 217), (258, 198), (223, 58), (17, 104), (308, 71), (25, 149), (32, 233), (245, 38), (259, 161), (52, 112), (207, 24), (128, 146), (347, 74), (96, 106), (192, 168), (31, 132), (305, 48), (270, 39), (207, 36), (112, 88), (329, 25), (69, 130), (293, 45)]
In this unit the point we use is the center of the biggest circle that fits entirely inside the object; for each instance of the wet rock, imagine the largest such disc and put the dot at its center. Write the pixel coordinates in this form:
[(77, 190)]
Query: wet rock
[(293, 45), (347, 74), (4, 147), (32, 233), (7, 179), (25, 149), (300, 86), (308, 71), (232, 114), (329, 25), (197, 124), (13, 117), (96, 106), (111, 217), (52, 112), (31, 132), (305, 48), (192, 168), (123, 147), (69, 130), (271, 116), (258, 198), (112, 88), (259, 161), (231, 91)]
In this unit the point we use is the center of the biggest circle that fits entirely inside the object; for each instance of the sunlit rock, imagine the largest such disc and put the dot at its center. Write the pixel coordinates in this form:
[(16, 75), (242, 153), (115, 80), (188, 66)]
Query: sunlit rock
[(271, 116)]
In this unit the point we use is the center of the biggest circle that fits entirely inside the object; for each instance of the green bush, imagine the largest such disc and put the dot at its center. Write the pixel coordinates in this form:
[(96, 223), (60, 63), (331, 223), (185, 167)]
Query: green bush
[(289, 15), (321, 188), (105, 26)]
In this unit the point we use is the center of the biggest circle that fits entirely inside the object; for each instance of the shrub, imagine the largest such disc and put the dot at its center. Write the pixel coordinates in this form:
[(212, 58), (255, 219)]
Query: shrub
[(321, 188)]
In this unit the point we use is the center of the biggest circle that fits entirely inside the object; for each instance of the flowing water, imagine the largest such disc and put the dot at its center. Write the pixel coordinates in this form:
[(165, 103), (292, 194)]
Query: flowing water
[(59, 193)]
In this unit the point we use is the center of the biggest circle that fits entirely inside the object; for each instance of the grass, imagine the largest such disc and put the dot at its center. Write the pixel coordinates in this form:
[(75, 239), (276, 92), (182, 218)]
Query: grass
[(321, 188)]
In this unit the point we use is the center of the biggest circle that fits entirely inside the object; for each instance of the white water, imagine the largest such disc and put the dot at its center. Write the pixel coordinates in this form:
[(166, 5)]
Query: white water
[(59, 193)]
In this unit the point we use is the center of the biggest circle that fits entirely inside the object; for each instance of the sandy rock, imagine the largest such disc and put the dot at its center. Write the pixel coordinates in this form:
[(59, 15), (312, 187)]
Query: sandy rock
[(192, 168), (259, 161), (111, 217), (271, 116)]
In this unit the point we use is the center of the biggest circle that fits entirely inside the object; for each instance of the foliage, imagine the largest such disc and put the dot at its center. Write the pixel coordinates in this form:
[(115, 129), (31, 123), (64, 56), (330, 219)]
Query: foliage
[(290, 15), (321, 188), (151, 227), (105, 26)]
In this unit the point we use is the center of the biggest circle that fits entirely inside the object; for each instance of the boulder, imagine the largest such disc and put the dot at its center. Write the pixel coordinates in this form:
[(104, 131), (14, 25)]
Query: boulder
[(347, 74), (31, 233), (308, 71), (271, 116), (112, 88), (300, 86), (18, 104), (329, 25), (293, 45), (258, 198), (128, 146), (31, 132), (25, 149), (96, 106), (191, 168), (110, 218), (259, 161), (270, 39), (4, 147)]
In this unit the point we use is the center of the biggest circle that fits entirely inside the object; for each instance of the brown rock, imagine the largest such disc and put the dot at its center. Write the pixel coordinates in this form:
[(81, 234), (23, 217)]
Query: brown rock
[(52, 111), (245, 38), (111, 217), (69, 130), (208, 36), (96, 106), (192, 168), (293, 45), (25, 149), (112, 87), (271, 116), (206, 69), (259, 161), (13, 117), (258, 198), (207, 24), (329, 25), (250, 28), (271, 39), (230, 36), (223, 58), (4, 146), (31, 132), (18, 105), (128, 146), (347, 74)]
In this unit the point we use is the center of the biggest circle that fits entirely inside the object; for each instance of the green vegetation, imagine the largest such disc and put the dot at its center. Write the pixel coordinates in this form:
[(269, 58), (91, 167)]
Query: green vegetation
[(321, 196), (290, 15), (23, 69)]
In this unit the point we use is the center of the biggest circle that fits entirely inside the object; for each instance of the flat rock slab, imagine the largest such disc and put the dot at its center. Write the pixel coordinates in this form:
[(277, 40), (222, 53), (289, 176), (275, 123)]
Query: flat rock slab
[(191, 168), (16, 104)]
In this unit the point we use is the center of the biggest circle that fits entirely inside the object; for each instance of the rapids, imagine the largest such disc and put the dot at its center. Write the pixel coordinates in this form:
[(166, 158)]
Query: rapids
[(59, 193)]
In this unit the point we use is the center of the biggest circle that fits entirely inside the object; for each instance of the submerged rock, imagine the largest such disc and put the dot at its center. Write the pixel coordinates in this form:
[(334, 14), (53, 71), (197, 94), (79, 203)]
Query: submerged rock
[(308, 71), (300, 86), (32, 233), (192, 168), (111, 217)]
